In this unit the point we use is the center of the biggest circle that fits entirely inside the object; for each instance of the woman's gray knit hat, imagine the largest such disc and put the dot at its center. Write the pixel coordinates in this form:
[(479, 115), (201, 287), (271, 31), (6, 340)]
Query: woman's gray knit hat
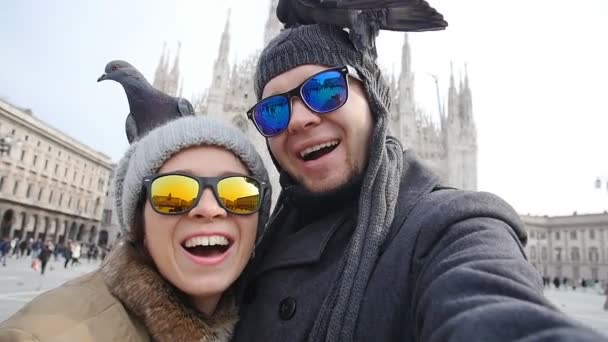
[(146, 155), (331, 46)]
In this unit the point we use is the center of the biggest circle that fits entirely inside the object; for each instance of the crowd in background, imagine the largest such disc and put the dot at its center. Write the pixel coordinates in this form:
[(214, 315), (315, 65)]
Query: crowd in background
[(41, 251)]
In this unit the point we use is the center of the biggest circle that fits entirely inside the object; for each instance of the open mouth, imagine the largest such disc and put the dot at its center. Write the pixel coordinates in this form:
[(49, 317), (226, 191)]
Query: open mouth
[(207, 246), (318, 151)]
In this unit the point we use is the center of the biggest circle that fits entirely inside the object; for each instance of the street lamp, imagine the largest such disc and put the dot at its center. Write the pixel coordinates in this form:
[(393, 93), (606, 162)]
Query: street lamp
[(436, 79)]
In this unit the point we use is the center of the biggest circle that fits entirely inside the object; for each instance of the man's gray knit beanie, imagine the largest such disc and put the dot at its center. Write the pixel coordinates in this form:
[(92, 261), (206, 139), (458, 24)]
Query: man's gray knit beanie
[(324, 45), (145, 157)]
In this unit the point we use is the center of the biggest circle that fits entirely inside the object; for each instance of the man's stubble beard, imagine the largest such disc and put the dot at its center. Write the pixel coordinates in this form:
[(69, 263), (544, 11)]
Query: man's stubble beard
[(355, 176)]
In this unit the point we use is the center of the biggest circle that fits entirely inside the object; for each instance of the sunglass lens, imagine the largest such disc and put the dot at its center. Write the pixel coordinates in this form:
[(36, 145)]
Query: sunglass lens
[(173, 194), (240, 195), (326, 91), (271, 115)]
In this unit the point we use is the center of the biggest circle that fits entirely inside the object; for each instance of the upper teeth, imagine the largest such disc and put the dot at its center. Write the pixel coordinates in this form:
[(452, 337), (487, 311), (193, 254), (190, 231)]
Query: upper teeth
[(206, 241), (318, 147)]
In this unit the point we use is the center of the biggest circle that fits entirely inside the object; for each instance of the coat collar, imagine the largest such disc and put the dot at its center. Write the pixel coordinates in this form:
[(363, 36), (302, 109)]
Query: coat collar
[(307, 244), (304, 246), (163, 309), (417, 180)]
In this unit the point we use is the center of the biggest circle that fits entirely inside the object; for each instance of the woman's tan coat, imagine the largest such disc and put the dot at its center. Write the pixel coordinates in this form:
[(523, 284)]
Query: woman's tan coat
[(125, 300)]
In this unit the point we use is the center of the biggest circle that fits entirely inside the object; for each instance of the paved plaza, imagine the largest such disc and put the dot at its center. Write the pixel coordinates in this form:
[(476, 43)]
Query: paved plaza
[(19, 283)]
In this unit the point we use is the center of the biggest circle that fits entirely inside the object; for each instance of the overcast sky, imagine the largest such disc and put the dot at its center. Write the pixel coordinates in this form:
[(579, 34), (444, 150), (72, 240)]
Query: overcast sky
[(538, 72)]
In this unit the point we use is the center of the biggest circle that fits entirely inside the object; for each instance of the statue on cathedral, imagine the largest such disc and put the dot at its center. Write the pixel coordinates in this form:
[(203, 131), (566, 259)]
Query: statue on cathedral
[(363, 18), (149, 107)]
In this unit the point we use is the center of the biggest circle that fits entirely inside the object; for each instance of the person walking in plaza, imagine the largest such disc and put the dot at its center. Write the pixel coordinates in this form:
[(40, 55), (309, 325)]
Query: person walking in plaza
[(36, 247), (76, 252), (22, 248), (194, 196), (45, 254), (14, 247), (365, 243), (67, 253), (606, 294), (5, 247)]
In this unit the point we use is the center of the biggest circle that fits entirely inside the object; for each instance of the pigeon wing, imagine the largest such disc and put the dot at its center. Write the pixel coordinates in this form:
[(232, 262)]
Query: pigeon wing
[(395, 15), (184, 107), (131, 128), (364, 18)]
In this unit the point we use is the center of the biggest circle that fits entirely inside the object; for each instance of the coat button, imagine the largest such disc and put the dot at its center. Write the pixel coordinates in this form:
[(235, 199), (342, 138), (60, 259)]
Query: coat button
[(287, 308)]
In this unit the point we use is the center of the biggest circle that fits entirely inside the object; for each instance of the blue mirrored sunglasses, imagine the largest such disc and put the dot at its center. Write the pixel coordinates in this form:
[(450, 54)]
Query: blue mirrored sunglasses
[(322, 93)]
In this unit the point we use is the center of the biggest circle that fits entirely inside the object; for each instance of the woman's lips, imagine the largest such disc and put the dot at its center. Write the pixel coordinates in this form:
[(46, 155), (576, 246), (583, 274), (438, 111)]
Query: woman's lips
[(207, 240), (207, 260)]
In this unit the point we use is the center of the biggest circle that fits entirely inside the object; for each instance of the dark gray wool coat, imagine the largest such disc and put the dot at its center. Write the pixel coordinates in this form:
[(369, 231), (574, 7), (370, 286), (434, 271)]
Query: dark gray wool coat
[(453, 269)]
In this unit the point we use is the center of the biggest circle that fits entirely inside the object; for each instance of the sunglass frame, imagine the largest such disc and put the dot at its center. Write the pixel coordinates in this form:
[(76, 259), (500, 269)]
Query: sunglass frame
[(203, 182), (346, 71)]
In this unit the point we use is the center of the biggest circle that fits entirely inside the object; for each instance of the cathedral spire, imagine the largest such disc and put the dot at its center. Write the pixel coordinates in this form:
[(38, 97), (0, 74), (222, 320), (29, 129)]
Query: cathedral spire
[(161, 73), (466, 101), (452, 75), (221, 74), (453, 98), (225, 42), (273, 25), (406, 103), (406, 55), (175, 69), (173, 78), (466, 76)]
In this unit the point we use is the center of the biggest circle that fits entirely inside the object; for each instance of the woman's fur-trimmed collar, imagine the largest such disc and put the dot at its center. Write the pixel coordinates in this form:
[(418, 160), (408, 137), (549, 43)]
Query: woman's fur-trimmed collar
[(163, 309)]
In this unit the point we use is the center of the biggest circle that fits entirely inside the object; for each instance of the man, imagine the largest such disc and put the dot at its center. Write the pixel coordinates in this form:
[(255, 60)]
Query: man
[(5, 247), (365, 244)]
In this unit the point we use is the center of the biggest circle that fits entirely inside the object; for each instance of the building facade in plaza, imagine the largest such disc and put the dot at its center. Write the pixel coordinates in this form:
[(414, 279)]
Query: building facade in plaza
[(109, 219), (448, 147), (51, 186), (575, 246)]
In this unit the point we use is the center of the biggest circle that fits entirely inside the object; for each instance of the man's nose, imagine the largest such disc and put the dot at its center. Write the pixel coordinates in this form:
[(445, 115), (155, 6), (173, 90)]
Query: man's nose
[(207, 207), (302, 118)]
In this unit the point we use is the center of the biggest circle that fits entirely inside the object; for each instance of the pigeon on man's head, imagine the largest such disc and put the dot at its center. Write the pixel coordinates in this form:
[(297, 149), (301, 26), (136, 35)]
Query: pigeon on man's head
[(363, 18), (149, 106)]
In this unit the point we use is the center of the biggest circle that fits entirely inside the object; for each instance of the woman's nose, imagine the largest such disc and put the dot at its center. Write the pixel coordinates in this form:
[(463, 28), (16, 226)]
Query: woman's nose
[(207, 207)]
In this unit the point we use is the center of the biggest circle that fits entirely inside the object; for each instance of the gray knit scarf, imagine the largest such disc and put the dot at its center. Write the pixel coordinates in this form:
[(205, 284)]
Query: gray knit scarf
[(338, 315)]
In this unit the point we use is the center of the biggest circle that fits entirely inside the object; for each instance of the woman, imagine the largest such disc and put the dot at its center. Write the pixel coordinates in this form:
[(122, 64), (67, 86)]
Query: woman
[(194, 195)]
